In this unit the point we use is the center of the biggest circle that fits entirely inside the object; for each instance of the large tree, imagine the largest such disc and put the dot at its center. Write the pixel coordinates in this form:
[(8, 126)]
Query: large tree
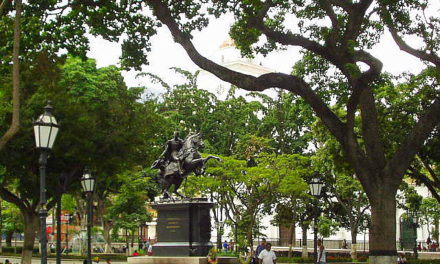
[(339, 34), (30, 27), (88, 101)]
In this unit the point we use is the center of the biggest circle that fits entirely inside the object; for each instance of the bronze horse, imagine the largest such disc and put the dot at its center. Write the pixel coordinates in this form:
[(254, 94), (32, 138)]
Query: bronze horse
[(190, 161)]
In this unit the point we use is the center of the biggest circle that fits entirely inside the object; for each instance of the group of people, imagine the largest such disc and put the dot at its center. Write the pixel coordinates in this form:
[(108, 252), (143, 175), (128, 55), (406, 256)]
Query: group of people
[(265, 255), (432, 245), (146, 246), (228, 246)]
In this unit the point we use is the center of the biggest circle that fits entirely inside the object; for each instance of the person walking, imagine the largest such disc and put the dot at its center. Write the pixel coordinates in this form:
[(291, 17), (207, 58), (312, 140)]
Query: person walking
[(258, 250), (267, 256), (225, 246), (321, 253)]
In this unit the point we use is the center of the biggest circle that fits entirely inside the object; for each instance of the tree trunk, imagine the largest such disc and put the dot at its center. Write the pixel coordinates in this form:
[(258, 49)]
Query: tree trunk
[(353, 252), (15, 124), (250, 240), (305, 252), (9, 238), (1, 225), (383, 227), (291, 239), (30, 227), (127, 243), (107, 237)]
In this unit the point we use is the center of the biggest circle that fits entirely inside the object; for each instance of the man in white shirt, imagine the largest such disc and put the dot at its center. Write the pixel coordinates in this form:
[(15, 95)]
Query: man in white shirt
[(267, 256)]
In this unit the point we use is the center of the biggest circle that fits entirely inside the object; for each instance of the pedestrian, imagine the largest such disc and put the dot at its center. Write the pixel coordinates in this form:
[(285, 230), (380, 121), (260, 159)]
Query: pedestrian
[(150, 249), (108, 261), (258, 250), (344, 244), (401, 259), (146, 245), (7, 261), (136, 253), (267, 256), (225, 246), (321, 253)]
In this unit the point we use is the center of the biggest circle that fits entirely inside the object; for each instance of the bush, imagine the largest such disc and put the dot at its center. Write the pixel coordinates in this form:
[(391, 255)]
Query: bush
[(17, 250), (310, 259), (423, 261), (227, 254), (294, 260)]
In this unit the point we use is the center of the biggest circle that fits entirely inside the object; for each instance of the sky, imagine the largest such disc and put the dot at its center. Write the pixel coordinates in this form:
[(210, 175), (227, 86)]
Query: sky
[(165, 54)]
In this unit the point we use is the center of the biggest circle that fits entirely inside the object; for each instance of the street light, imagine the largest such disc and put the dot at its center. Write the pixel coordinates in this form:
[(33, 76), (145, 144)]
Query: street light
[(88, 184), (414, 221), (45, 131), (315, 189), (67, 218), (365, 224)]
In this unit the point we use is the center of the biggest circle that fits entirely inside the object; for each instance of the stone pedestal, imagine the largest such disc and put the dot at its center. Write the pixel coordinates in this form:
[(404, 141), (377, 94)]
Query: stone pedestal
[(183, 227)]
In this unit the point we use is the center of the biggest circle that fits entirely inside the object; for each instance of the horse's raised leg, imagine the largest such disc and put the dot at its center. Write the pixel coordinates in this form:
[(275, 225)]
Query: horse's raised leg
[(165, 186), (177, 186)]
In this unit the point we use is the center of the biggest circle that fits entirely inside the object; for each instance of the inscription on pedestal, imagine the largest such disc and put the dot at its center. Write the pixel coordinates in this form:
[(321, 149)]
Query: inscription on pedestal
[(183, 228)]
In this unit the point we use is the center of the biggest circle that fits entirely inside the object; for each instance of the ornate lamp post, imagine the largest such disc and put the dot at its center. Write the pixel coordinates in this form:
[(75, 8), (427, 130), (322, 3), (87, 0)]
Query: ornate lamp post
[(45, 130), (365, 224), (414, 220), (67, 218), (88, 184), (315, 190)]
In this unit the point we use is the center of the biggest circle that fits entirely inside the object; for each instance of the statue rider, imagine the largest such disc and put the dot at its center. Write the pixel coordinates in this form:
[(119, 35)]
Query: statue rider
[(171, 155)]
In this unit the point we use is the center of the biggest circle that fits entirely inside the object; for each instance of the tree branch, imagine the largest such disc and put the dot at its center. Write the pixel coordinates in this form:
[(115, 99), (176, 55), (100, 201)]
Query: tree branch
[(334, 19), (3, 5), (414, 141), (251, 83), (429, 169), (15, 124), (12, 198), (356, 16), (427, 182), (347, 5), (432, 58)]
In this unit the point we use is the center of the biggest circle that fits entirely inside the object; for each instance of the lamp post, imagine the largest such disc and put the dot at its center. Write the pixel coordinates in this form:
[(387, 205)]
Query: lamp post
[(67, 219), (45, 131), (414, 220), (88, 184), (365, 225), (315, 190)]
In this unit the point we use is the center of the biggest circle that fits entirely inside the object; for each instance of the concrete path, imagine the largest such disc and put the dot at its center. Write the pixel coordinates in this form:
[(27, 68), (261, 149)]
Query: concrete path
[(17, 260)]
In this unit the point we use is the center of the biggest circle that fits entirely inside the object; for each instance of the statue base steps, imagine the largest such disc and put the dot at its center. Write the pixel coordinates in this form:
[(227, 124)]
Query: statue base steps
[(178, 260)]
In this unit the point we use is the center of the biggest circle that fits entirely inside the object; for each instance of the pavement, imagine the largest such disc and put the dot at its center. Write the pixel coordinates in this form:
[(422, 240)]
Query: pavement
[(17, 260)]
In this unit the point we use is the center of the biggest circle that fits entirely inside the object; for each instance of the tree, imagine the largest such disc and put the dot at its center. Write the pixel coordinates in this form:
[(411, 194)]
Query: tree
[(286, 120), (430, 214), (342, 43), (128, 208), (345, 198), (12, 221), (88, 101), (245, 192), (52, 26), (293, 204)]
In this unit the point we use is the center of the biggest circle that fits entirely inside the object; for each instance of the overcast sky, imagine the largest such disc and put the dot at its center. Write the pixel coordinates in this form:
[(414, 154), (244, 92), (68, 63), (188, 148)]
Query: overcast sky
[(165, 54)]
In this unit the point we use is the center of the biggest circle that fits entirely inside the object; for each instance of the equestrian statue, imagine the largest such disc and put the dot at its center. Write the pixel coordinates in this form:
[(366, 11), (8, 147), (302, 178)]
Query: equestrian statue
[(178, 160)]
